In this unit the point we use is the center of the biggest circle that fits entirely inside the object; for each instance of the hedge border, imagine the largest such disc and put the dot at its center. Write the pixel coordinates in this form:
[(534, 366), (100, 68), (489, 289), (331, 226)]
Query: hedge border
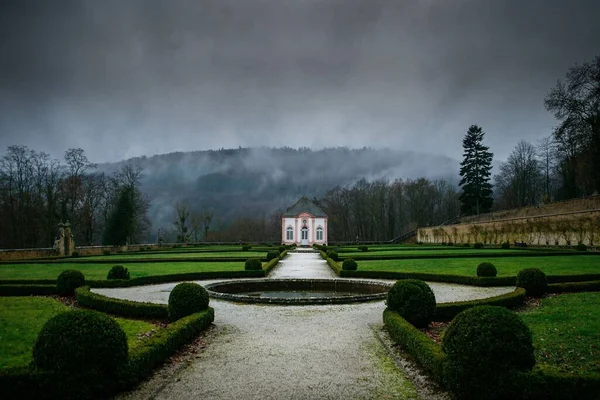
[(570, 287), (447, 311), (122, 308), (28, 290), (81, 260), (367, 257), (268, 267), (25, 382), (334, 265), (541, 383)]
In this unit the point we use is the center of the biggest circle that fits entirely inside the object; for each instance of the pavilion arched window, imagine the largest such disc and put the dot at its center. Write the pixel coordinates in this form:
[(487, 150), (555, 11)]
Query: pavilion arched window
[(289, 233), (320, 233)]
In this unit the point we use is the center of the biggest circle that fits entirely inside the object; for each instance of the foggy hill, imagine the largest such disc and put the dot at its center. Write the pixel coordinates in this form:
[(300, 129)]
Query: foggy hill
[(259, 181)]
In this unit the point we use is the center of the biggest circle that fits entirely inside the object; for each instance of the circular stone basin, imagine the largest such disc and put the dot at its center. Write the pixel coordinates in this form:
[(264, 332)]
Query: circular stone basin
[(299, 291)]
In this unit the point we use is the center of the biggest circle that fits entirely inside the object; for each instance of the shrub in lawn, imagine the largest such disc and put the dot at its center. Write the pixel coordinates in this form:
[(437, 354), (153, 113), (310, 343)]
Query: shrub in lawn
[(486, 269), (106, 252), (246, 248), (118, 272), (333, 255), (581, 247), (414, 300), (349, 265), (281, 249), (363, 248), (450, 243), (324, 248), (68, 281), (533, 280), (75, 254), (80, 340), (466, 245), (186, 299), (505, 245), (478, 246), (486, 346), (253, 264), (272, 254)]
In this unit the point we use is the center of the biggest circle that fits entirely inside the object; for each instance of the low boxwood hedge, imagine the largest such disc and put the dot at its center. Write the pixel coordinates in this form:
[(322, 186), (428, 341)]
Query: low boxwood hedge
[(28, 290), (447, 311), (524, 253), (589, 286), (26, 382), (461, 279), (123, 308), (334, 265)]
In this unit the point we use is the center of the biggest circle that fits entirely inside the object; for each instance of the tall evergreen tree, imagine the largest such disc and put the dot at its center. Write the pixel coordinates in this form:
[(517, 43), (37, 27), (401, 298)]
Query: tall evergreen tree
[(120, 224), (475, 170)]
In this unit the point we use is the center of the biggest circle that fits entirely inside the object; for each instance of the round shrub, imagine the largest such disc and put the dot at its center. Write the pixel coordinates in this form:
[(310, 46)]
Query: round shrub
[(450, 243), (349, 265), (272, 255), (486, 269), (581, 247), (505, 245), (414, 300), (246, 248), (363, 248), (486, 346), (118, 272), (75, 254), (478, 246), (281, 249), (333, 255), (80, 340), (253, 264), (533, 280), (186, 299), (68, 281)]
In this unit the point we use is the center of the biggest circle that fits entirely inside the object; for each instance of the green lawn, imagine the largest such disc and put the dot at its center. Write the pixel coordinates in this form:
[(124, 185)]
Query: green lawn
[(22, 318), (507, 266), (425, 251), (99, 271), (200, 255), (566, 332)]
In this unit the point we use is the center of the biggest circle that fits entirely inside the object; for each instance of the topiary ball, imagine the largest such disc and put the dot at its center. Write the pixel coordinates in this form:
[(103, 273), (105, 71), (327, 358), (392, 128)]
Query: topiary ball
[(349, 265), (478, 245), (272, 255), (80, 340), (486, 269), (118, 272), (281, 249), (533, 280), (486, 346), (246, 248), (333, 255), (186, 299), (68, 281), (581, 247), (466, 245), (505, 245), (253, 264), (414, 300), (363, 248)]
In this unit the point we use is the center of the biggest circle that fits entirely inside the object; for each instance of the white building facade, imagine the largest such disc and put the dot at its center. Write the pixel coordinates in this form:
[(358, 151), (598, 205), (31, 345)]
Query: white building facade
[(304, 224)]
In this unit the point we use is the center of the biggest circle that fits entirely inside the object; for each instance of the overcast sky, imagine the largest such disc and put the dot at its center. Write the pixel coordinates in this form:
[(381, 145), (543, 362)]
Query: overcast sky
[(124, 78)]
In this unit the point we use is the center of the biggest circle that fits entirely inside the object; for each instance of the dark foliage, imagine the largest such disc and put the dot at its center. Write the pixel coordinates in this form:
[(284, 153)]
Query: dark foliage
[(118, 272), (68, 281), (253, 264), (486, 269), (349, 265), (533, 280), (185, 299), (413, 300)]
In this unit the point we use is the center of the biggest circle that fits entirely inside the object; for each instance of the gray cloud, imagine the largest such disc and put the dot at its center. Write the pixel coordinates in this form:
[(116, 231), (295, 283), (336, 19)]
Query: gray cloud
[(127, 78)]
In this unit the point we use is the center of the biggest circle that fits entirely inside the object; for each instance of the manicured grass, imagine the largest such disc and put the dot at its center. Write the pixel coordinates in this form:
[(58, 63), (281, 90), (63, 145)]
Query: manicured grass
[(426, 251), (22, 318), (99, 271), (507, 266), (566, 332), (200, 255)]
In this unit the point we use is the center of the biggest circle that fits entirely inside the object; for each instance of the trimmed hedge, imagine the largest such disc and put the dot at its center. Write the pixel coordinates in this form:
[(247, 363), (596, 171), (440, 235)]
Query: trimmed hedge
[(589, 286), (123, 308), (335, 266), (28, 290), (26, 382), (533, 280), (432, 256), (272, 255), (268, 266), (461, 279), (253, 264), (78, 340), (349, 265), (424, 350), (68, 281), (414, 300), (447, 311), (333, 255), (187, 298)]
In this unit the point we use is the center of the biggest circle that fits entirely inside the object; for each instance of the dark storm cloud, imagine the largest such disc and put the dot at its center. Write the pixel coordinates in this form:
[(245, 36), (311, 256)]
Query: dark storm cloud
[(126, 78)]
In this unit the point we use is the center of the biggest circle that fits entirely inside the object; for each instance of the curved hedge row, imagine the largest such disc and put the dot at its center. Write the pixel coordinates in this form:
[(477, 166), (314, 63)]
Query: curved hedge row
[(123, 308), (526, 253), (447, 311), (26, 382)]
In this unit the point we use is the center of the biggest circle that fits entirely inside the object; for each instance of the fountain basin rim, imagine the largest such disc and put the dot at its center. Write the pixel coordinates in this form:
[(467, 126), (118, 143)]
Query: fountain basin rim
[(381, 287)]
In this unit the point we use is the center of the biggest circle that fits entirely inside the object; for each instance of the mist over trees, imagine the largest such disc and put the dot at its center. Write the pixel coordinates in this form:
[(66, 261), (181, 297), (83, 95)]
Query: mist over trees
[(37, 192)]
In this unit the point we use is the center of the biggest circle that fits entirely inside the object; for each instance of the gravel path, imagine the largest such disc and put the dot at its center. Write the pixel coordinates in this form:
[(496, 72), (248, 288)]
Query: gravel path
[(288, 352)]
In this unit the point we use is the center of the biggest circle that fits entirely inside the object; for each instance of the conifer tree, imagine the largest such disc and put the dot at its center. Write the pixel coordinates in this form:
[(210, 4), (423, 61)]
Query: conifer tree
[(120, 224), (475, 170)]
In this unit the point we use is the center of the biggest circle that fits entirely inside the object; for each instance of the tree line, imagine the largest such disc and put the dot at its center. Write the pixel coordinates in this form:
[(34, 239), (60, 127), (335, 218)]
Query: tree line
[(37, 192)]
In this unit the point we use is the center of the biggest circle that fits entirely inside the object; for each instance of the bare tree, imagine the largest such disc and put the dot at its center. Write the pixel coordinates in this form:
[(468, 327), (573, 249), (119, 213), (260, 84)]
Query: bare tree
[(181, 222)]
